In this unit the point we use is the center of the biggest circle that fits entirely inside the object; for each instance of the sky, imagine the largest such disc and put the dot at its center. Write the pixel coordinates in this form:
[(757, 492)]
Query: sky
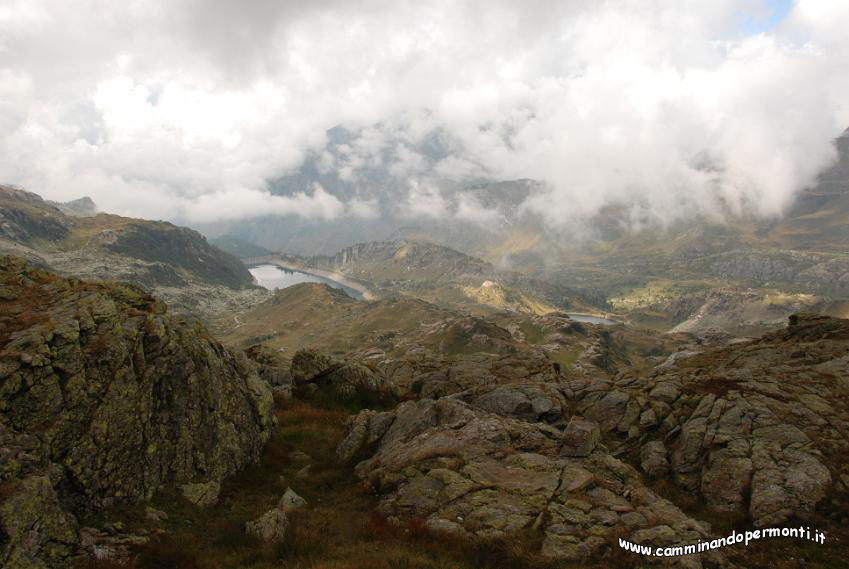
[(187, 109)]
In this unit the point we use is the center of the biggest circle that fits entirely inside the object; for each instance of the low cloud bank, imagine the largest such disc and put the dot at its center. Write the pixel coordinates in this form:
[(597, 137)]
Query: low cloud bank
[(187, 110)]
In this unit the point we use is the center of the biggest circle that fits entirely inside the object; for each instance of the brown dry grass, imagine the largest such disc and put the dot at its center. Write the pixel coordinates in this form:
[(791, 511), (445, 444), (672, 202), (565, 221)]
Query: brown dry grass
[(340, 528)]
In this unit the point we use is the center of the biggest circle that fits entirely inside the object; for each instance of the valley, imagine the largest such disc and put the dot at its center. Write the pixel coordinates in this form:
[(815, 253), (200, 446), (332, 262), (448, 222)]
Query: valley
[(398, 404)]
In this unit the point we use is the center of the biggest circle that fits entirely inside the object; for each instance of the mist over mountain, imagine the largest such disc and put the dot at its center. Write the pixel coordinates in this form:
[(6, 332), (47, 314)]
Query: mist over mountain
[(400, 191), (202, 115)]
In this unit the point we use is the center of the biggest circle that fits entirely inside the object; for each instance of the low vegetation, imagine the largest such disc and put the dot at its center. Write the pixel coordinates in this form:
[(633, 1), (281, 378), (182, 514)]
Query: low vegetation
[(340, 527)]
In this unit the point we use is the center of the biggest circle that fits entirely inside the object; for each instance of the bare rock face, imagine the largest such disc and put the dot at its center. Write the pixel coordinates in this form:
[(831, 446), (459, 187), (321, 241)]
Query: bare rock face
[(41, 533), (105, 397), (472, 472), (531, 401), (309, 364), (754, 427), (653, 459)]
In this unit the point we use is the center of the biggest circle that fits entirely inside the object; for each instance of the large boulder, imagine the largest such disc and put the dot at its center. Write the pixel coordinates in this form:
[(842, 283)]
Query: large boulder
[(271, 367), (346, 378), (202, 494), (105, 397), (310, 364)]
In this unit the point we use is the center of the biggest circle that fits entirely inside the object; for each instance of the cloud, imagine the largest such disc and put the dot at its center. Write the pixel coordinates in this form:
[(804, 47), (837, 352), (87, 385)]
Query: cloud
[(425, 200), (184, 110)]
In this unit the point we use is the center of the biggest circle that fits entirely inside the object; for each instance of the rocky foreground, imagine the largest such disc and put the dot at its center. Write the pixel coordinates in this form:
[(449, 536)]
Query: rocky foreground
[(539, 430), (104, 398), (752, 428)]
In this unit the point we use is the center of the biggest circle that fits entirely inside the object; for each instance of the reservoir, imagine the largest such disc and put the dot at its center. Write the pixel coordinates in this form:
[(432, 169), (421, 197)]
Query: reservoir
[(589, 319), (273, 277)]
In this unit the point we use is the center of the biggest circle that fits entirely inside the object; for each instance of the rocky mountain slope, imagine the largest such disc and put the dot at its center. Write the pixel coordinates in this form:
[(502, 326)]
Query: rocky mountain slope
[(756, 427), (754, 430), (105, 398), (397, 333), (443, 275), (176, 263), (609, 256), (579, 433), (464, 433)]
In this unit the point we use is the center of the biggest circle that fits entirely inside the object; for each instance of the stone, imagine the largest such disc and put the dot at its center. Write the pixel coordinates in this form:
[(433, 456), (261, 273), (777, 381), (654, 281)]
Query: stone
[(124, 398), (366, 428), (290, 501), (440, 525), (655, 536), (648, 418), (580, 437), (479, 474), (665, 391), (304, 472), (653, 459), (299, 456), (38, 532), (270, 527), (309, 364), (202, 494), (155, 515), (725, 482)]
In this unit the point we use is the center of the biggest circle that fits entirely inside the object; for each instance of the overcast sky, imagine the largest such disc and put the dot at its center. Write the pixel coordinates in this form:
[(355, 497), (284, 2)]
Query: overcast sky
[(185, 109)]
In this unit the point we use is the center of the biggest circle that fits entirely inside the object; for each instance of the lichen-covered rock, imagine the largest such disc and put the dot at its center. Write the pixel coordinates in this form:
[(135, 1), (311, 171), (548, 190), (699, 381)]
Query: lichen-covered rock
[(469, 472), (314, 367), (309, 364), (364, 429), (40, 533), (653, 459), (270, 527), (100, 381), (752, 426), (272, 368), (202, 494), (535, 401)]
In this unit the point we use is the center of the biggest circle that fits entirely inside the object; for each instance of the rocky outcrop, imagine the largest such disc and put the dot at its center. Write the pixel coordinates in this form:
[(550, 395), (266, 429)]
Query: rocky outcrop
[(105, 397), (315, 367), (181, 247), (81, 206), (474, 473), (272, 368), (202, 494), (25, 217), (815, 272), (750, 426), (290, 501), (754, 427)]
